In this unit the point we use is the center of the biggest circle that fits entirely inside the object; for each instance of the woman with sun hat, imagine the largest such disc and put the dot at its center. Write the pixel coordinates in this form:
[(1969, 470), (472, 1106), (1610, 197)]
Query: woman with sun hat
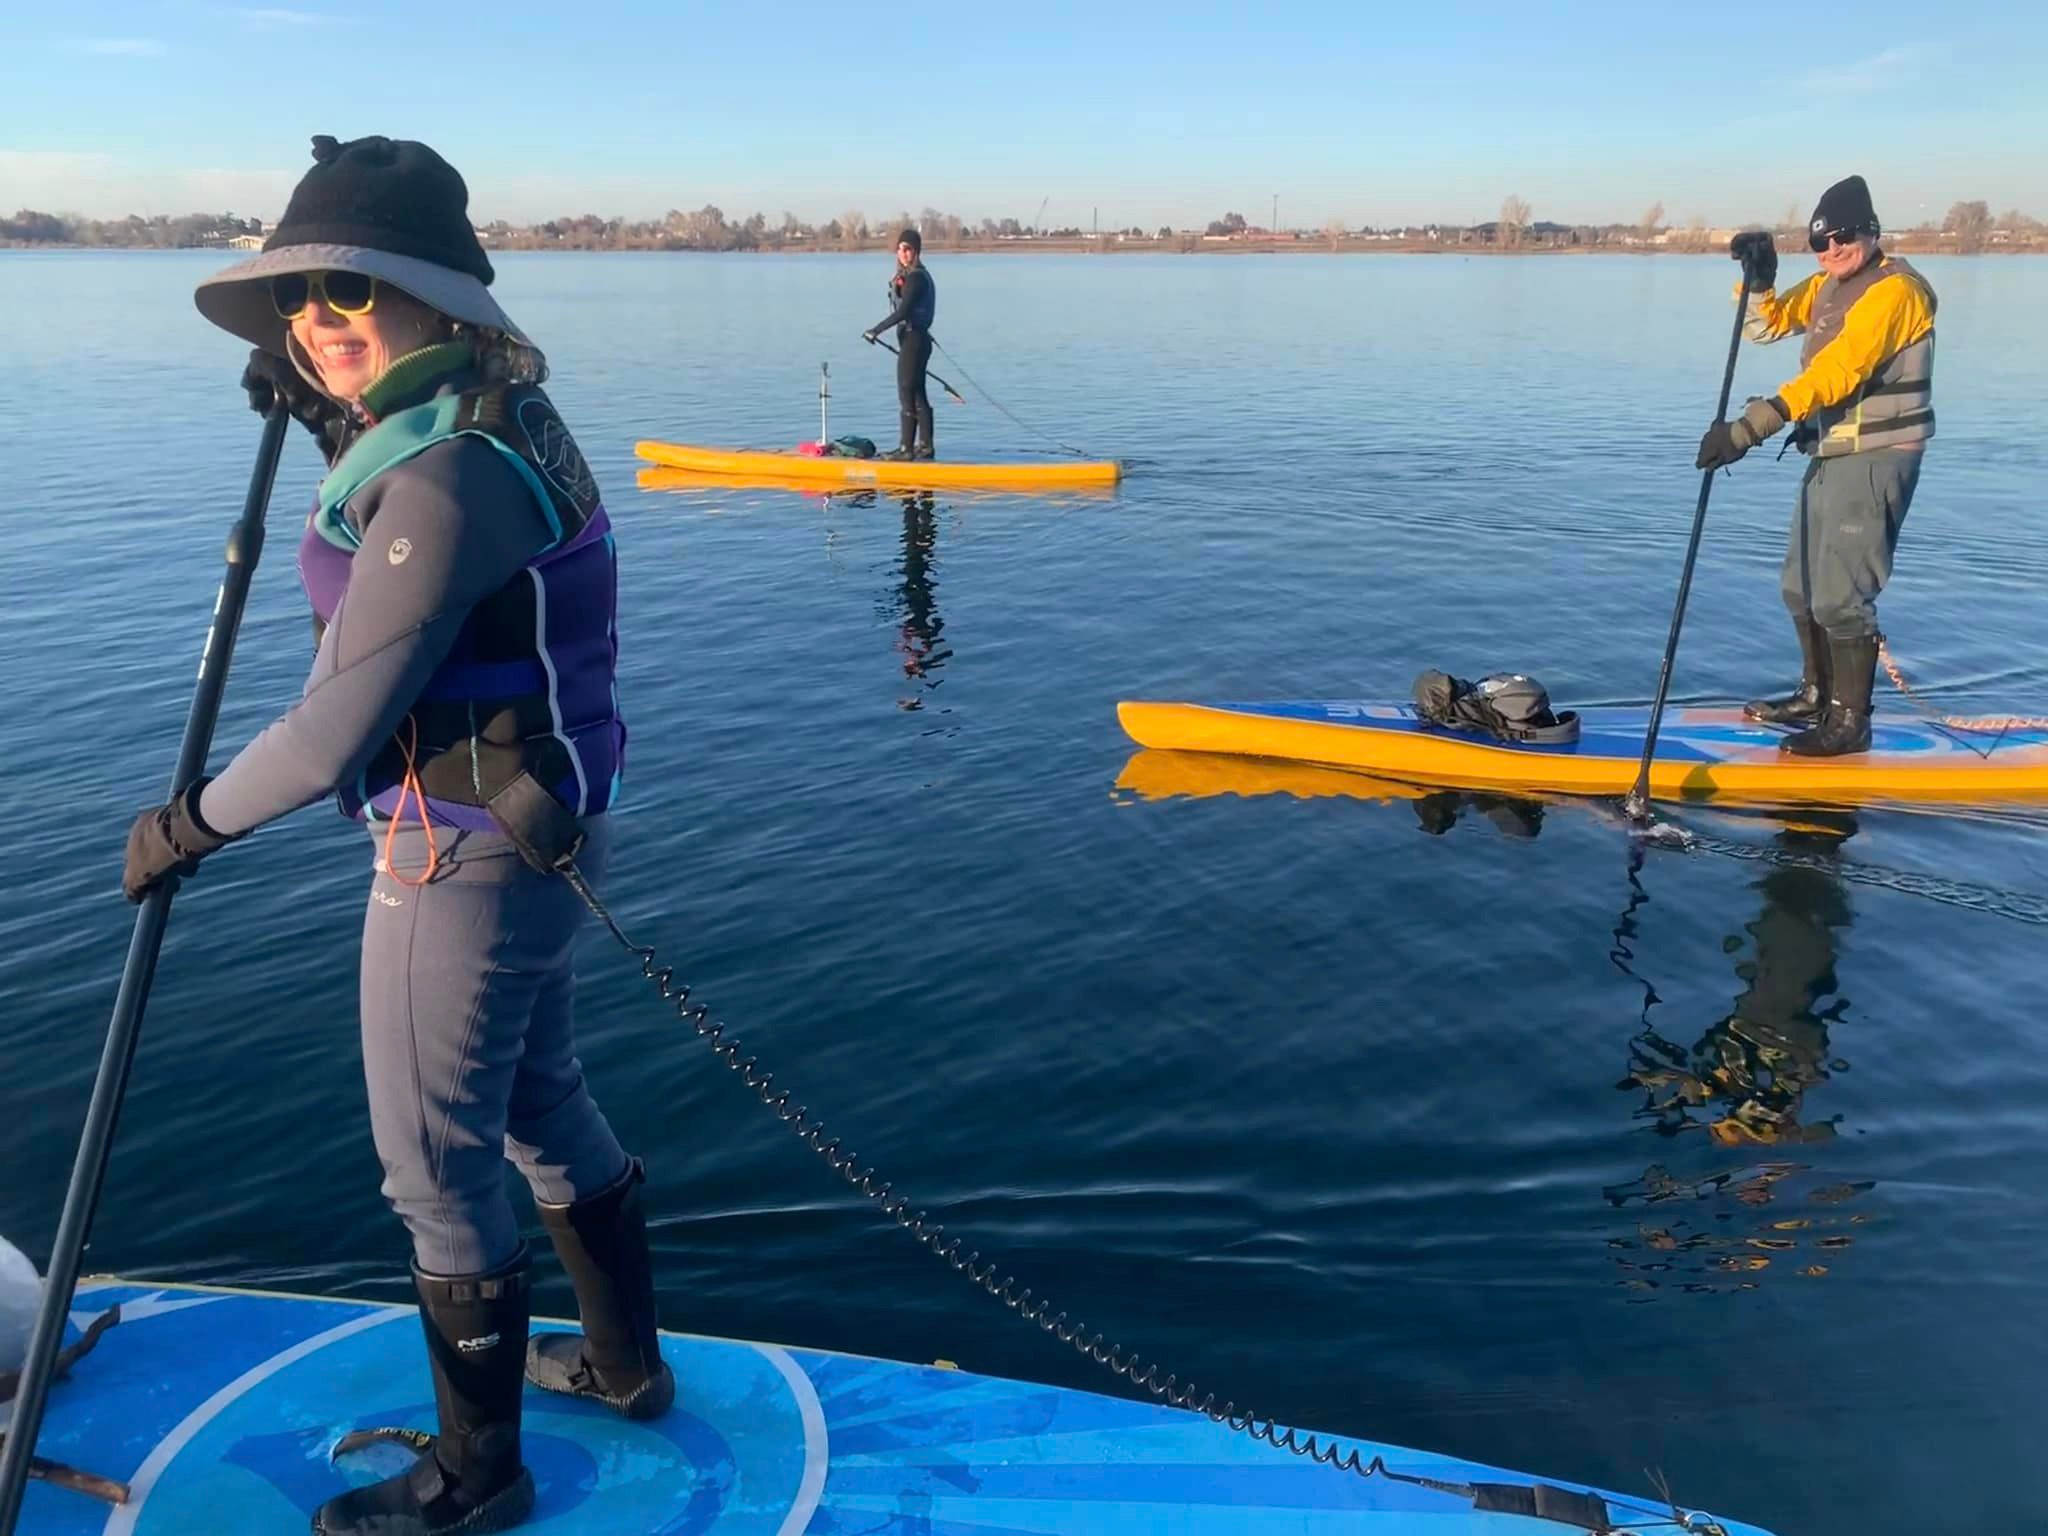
[(462, 701)]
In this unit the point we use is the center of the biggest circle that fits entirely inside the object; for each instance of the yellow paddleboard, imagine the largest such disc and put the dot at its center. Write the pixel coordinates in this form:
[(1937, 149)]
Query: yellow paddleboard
[(1701, 753), (787, 469)]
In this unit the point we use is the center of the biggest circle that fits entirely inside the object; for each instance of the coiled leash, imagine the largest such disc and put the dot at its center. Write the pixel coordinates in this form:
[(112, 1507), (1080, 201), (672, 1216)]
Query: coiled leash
[(548, 838), (1996, 724)]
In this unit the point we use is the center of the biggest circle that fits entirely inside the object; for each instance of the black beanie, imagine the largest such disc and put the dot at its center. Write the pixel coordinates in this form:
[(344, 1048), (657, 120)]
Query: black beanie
[(913, 239), (1845, 207), (383, 194)]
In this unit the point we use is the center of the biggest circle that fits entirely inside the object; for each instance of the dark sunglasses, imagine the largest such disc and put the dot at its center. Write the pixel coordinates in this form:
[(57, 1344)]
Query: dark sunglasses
[(1827, 237), (346, 293)]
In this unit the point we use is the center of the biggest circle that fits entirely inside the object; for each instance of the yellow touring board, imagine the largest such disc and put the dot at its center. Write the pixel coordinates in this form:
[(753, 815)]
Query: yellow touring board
[(789, 469), (1701, 753), (686, 481)]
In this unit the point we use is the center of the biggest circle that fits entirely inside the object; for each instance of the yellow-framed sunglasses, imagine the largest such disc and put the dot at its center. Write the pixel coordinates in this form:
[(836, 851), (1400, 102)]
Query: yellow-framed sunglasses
[(346, 293)]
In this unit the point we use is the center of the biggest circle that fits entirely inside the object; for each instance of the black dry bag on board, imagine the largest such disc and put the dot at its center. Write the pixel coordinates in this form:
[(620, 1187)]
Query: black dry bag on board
[(1505, 705)]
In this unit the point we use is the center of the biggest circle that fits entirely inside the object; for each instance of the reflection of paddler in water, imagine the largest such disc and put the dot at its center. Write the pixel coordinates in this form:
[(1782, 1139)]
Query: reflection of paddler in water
[(920, 639), (1757, 1062), (1755, 1065), (1438, 811)]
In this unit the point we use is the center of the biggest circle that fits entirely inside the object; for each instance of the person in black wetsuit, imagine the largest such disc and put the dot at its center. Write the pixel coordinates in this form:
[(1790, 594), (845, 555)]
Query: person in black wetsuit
[(916, 300)]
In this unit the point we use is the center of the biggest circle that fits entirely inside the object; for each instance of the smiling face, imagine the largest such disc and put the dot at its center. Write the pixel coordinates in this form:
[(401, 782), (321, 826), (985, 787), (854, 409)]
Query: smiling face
[(350, 352), (1844, 258)]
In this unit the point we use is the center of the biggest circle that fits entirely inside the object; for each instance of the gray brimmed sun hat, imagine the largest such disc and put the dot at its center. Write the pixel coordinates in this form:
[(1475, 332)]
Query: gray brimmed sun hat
[(391, 209)]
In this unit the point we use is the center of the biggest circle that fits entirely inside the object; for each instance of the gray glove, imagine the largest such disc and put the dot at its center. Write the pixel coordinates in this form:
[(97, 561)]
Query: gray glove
[(1727, 441)]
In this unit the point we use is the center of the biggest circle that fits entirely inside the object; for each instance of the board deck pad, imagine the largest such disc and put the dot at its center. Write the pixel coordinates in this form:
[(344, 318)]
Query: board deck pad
[(1702, 752), (220, 1408)]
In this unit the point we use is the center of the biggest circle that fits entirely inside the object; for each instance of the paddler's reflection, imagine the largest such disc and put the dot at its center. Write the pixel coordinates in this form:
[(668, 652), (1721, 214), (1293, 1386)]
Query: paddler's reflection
[(920, 636), (1438, 811), (1745, 1083), (1751, 1071)]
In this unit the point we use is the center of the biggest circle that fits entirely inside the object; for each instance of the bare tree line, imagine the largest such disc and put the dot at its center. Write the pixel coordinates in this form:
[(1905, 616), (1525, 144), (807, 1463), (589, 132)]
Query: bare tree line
[(1968, 227)]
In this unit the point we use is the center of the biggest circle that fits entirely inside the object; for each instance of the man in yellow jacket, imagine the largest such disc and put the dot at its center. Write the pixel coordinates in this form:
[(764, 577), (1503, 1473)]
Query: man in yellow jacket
[(1864, 404)]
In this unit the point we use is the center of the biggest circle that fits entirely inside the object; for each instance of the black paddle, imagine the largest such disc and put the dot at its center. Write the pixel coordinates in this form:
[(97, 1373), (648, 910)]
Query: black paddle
[(1637, 805), (245, 545), (949, 389)]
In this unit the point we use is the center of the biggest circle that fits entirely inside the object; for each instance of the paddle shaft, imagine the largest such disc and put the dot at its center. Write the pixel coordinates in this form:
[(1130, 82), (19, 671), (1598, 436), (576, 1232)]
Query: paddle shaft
[(74, 1228), (1637, 805), (949, 389)]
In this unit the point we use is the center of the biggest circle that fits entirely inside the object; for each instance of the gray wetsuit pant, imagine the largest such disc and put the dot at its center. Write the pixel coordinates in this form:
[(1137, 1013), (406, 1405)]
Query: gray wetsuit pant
[(469, 1043), (1844, 533)]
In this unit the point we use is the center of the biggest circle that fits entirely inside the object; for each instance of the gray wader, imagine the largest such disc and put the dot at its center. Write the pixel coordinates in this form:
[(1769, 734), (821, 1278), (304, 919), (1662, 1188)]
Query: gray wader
[(1845, 531)]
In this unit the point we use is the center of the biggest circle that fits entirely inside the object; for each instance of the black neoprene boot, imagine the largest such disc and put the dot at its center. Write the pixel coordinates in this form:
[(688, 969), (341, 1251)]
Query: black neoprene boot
[(1845, 725), (906, 437), (469, 1477), (616, 1360), (1803, 706)]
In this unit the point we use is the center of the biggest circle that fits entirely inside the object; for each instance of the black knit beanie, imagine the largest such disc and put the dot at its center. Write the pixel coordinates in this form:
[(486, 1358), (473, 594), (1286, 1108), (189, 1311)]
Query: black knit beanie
[(1845, 209), (383, 194), (913, 239)]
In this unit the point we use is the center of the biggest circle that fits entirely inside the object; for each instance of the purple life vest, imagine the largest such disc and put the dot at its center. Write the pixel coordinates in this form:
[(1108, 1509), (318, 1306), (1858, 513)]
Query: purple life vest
[(531, 681)]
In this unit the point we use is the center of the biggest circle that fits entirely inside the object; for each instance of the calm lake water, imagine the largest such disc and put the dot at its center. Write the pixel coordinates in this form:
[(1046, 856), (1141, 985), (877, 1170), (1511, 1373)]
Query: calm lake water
[(1476, 1138)]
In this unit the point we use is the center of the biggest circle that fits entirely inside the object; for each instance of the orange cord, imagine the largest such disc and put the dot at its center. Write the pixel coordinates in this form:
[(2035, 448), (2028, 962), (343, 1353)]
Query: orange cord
[(1956, 722), (410, 785)]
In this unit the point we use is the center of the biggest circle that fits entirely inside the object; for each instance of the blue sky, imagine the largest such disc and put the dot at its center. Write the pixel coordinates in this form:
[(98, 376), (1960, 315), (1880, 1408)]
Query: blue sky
[(1152, 113)]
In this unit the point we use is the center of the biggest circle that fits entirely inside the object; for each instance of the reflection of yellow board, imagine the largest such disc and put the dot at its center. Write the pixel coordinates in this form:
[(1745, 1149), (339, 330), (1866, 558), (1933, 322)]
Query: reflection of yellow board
[(884, 474), (1154, 775), (651, 478), (1701, 753)]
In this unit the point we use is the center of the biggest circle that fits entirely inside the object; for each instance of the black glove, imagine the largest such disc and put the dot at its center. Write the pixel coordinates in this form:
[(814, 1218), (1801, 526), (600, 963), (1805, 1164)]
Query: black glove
[(170, 840), (1727, 441), (270, 378), (1757, 250)]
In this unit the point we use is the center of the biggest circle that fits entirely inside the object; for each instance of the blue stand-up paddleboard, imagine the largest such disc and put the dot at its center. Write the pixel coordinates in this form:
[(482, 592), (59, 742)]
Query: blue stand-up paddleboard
[(220, 1409)]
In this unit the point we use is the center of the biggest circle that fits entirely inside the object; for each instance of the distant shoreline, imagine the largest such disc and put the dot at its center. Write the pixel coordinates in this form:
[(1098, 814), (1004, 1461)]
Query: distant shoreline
[(1905, 245)]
